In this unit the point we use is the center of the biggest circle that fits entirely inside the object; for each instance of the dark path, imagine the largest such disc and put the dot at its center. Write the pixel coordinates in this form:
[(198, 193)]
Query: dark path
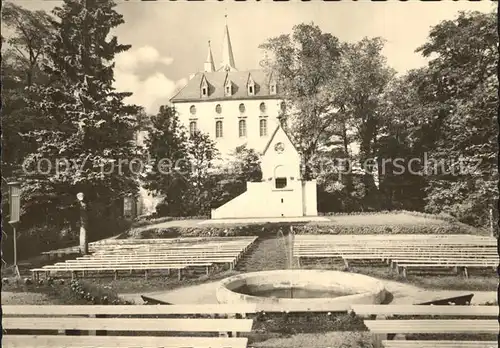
[(268, 253)]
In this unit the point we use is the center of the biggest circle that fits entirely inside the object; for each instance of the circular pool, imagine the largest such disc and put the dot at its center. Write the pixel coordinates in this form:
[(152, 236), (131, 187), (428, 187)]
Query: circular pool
[(308, 289)]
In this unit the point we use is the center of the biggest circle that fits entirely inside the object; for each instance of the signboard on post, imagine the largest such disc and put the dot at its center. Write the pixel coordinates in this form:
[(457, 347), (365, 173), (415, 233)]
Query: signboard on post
[(15, 202)]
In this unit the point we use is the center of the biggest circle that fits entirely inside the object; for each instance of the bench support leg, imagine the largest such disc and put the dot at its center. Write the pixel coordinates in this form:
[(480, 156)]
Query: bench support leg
[(379, 337), (146, 274), (466, 273), (115, 275), (92, 332), (179, 276)]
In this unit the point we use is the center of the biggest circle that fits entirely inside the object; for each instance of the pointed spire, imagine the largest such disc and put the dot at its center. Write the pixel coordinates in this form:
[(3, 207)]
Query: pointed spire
[(227, 63), (209, 63)]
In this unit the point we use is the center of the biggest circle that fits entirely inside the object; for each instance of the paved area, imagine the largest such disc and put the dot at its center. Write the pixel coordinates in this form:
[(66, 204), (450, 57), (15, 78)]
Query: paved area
[(403, 294)]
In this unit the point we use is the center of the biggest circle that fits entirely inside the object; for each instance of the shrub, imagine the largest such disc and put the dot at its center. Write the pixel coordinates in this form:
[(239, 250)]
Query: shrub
[(96, 295), (272, 229)]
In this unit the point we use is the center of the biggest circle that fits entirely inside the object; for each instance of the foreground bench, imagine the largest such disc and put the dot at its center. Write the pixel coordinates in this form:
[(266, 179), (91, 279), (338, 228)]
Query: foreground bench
[(133, 310), (383, 328), (416, 310), (140, 319), (17, 341), (440, 344)]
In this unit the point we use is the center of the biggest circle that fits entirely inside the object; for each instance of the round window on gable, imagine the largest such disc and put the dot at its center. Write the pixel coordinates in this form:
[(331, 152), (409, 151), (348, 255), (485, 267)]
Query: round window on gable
[(192, 109), (242, 108), (262, 107), (218, 108)]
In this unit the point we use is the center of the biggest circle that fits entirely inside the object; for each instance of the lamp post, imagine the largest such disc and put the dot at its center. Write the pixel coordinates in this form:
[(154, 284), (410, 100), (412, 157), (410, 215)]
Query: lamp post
[(84, 245), (15, 207)]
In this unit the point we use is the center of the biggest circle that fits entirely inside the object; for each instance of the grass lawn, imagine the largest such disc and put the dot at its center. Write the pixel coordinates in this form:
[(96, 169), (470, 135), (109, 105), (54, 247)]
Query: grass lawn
[(386, 219)]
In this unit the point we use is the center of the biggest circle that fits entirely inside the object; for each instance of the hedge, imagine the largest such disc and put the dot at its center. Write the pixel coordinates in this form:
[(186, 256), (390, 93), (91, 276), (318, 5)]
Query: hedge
[(272, 229)]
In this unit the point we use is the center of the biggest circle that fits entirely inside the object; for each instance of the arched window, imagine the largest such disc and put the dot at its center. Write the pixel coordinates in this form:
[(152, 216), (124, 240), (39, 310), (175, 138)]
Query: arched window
[(242, 108), (242, 127), (263, 127), (218, 108), (283, 106), (218, 129), (192, 110), (262, 107), (192, 127)]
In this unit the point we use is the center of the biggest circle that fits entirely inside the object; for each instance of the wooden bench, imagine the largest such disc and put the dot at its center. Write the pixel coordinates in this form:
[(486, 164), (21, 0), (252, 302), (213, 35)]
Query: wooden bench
[(47, 269), (132, 310), (382, 328), (415, 310), (89, 319), (50, 341), (402, 268), (440, 344)]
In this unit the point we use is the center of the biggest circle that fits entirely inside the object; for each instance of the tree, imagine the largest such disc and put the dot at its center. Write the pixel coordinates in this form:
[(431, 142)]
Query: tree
[(30, 30), (169, 170), (407, 131), (201, 153), (465, 99), (22, 54), (305, 64), (87, 130), (363, 76)]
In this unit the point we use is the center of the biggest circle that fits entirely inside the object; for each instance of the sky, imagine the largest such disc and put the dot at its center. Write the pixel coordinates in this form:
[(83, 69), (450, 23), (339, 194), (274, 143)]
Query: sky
[(169, 39)]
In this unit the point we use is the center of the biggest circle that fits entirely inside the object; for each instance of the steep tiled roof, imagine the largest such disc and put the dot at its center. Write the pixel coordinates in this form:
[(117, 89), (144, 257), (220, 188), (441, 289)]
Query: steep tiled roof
[(239, 79)]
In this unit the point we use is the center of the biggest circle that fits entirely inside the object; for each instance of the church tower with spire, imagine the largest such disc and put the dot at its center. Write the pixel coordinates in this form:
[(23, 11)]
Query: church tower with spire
[(209, 63), (227, 63)]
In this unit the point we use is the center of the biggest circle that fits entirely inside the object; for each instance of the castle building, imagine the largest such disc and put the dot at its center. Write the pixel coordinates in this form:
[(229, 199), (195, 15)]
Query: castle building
[(243, 107), (233, 107)]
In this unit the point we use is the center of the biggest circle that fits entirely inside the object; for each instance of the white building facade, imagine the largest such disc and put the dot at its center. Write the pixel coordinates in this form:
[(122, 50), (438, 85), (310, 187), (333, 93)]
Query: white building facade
[(243, 108), (233, 107)]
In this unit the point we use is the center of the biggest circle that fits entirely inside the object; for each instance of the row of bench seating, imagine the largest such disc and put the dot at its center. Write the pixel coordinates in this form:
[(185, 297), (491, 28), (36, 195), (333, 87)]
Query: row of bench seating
[(137, 320), (125, 324), (152, 256), (403, 252), (382, 329)]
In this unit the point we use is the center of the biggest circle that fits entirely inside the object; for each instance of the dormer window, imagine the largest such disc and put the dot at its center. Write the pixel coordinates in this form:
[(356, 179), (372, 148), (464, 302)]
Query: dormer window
[(272, 88), (204, 87), (251, 85), (228, 87)]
